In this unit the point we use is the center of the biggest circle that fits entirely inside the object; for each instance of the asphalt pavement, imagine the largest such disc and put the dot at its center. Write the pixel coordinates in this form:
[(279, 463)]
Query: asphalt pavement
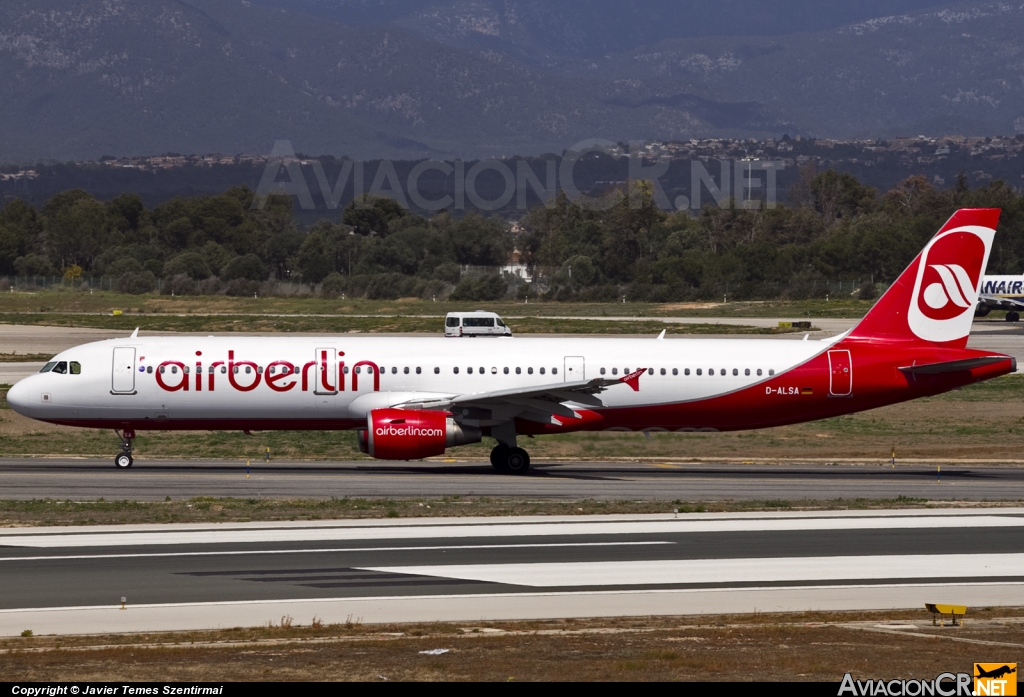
[(66, 478), (198, 576)]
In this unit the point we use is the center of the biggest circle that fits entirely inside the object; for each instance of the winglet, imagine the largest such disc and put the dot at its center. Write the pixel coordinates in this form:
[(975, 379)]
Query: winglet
[(135, 334), (633, 379), (662, 335)]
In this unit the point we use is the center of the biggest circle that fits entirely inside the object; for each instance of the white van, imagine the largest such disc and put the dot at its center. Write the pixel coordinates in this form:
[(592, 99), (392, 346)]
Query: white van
[(479, 323)]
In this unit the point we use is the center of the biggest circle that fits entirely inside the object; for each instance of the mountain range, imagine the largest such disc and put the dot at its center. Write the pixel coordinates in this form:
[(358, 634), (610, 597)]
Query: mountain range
[(474, 78)]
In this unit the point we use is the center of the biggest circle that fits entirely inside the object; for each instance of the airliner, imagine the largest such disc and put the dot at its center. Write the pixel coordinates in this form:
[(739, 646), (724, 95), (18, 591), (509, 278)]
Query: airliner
[(1002, 293), (412, 398)]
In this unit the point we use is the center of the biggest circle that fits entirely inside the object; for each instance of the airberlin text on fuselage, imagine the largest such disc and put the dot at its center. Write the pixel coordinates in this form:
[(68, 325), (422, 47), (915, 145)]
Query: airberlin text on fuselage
[(408, 431), (279, 376)]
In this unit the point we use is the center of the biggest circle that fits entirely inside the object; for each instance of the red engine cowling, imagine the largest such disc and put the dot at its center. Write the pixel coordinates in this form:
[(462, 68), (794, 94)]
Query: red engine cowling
[(409, 434)]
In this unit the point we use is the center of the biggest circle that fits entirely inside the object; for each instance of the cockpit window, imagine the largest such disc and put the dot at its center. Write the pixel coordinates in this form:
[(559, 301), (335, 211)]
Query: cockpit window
[(48, 367), (76, 368), (61, 367)]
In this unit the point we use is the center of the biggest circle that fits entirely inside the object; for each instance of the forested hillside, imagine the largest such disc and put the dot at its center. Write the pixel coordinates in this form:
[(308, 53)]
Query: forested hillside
[(836, 229)]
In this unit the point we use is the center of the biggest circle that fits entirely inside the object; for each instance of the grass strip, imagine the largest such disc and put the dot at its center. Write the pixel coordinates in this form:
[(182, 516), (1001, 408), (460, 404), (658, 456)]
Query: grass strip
[(50, 512)]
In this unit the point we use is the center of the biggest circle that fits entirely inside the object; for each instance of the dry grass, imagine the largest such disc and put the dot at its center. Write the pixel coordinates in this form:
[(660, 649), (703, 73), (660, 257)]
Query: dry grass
[(67, 301), (809, 646), (42, 512)]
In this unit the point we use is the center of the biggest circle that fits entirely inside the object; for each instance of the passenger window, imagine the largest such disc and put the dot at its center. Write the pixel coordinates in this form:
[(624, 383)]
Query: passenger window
[(771, 371), (149, 369), (506, 371), (248, 369), (482, 371), (437, 371), (223, 369), (759, 371), (174, 369), (456, 369), (675, 371), (162, 369), (295, 370), (48, 367), (615, 371), (747, 371), (662, 371), (61, 367), (529, 371), (554, 371), (698, 371), (76, 368), (519, 371), (735, 371), (541, 371), (358, 370), (686, 372), (394, 371), (469, 370), (602, 371), (185, 370), (234, 369)]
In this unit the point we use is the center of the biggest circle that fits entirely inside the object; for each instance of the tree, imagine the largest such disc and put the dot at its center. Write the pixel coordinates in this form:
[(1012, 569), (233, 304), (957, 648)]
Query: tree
[(192, 264), (76, 227), (370, 215), (249, 267)]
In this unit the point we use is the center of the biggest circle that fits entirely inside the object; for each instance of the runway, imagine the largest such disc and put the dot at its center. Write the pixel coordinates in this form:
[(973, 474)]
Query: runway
[(199, 576), (61, 478)]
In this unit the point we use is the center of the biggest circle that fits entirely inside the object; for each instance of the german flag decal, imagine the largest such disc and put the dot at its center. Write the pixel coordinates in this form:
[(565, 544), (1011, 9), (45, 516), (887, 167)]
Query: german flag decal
[(806, 390)]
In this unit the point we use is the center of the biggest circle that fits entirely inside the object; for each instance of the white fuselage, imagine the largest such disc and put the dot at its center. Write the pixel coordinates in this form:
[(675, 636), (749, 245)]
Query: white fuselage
[(305, 381)]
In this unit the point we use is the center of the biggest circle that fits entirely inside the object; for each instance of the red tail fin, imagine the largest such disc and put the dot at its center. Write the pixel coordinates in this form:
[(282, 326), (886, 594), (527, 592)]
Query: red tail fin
[(933, 300)]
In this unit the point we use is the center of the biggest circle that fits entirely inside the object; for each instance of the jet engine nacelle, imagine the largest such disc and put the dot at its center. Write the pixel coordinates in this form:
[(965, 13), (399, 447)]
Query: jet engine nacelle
[(410, 434)]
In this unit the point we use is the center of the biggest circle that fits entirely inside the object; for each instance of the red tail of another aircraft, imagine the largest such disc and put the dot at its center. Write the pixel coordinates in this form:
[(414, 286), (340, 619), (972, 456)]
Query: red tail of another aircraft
[(933, 300)]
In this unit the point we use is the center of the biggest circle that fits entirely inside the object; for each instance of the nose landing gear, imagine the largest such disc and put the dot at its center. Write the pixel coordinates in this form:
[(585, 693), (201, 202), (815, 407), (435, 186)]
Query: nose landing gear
[(124, 459)]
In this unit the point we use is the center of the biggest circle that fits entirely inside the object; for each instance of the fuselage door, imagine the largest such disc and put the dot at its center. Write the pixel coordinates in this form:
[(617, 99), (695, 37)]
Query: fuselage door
[(575, 368), (326, 371), (840, 373), (123, 380)]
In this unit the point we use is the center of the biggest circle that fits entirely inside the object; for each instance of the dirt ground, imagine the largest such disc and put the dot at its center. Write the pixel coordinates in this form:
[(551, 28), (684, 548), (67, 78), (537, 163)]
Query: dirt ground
[(816, 647)]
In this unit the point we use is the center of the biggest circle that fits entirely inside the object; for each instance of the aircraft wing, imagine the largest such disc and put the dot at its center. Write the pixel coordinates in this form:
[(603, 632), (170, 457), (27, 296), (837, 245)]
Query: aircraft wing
[(536, 403), (999, 302)]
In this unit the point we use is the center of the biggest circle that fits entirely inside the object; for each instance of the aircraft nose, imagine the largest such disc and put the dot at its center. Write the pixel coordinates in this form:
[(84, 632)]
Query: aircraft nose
[(17, 397)]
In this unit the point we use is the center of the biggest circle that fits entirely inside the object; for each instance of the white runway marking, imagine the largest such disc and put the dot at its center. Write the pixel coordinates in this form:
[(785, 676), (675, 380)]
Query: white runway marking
[(456, 531), (708, 571), (231, 553)]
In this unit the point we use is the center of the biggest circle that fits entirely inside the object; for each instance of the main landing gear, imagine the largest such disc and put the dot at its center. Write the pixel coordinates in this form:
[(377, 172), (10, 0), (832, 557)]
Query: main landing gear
[(1012, 317), (124, 460), (510, 460)]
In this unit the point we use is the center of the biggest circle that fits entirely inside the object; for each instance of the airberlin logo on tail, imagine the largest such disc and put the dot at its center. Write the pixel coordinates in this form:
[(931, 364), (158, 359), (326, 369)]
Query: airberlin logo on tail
[(947, 297), (946, 287)]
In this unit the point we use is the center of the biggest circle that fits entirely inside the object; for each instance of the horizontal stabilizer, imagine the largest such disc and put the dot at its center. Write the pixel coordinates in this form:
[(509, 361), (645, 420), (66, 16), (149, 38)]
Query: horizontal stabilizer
[(955, 366)]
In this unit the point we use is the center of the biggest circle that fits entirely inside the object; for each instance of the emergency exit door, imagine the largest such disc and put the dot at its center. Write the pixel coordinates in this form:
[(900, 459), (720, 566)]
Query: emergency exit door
[(123, 380), (574, 369), (841, 373)]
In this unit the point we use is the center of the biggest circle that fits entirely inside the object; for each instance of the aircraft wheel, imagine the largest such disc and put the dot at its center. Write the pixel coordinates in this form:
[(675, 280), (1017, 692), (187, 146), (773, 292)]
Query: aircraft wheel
[(1012, 317), (123, 461), (518, 461), (499, 458)]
